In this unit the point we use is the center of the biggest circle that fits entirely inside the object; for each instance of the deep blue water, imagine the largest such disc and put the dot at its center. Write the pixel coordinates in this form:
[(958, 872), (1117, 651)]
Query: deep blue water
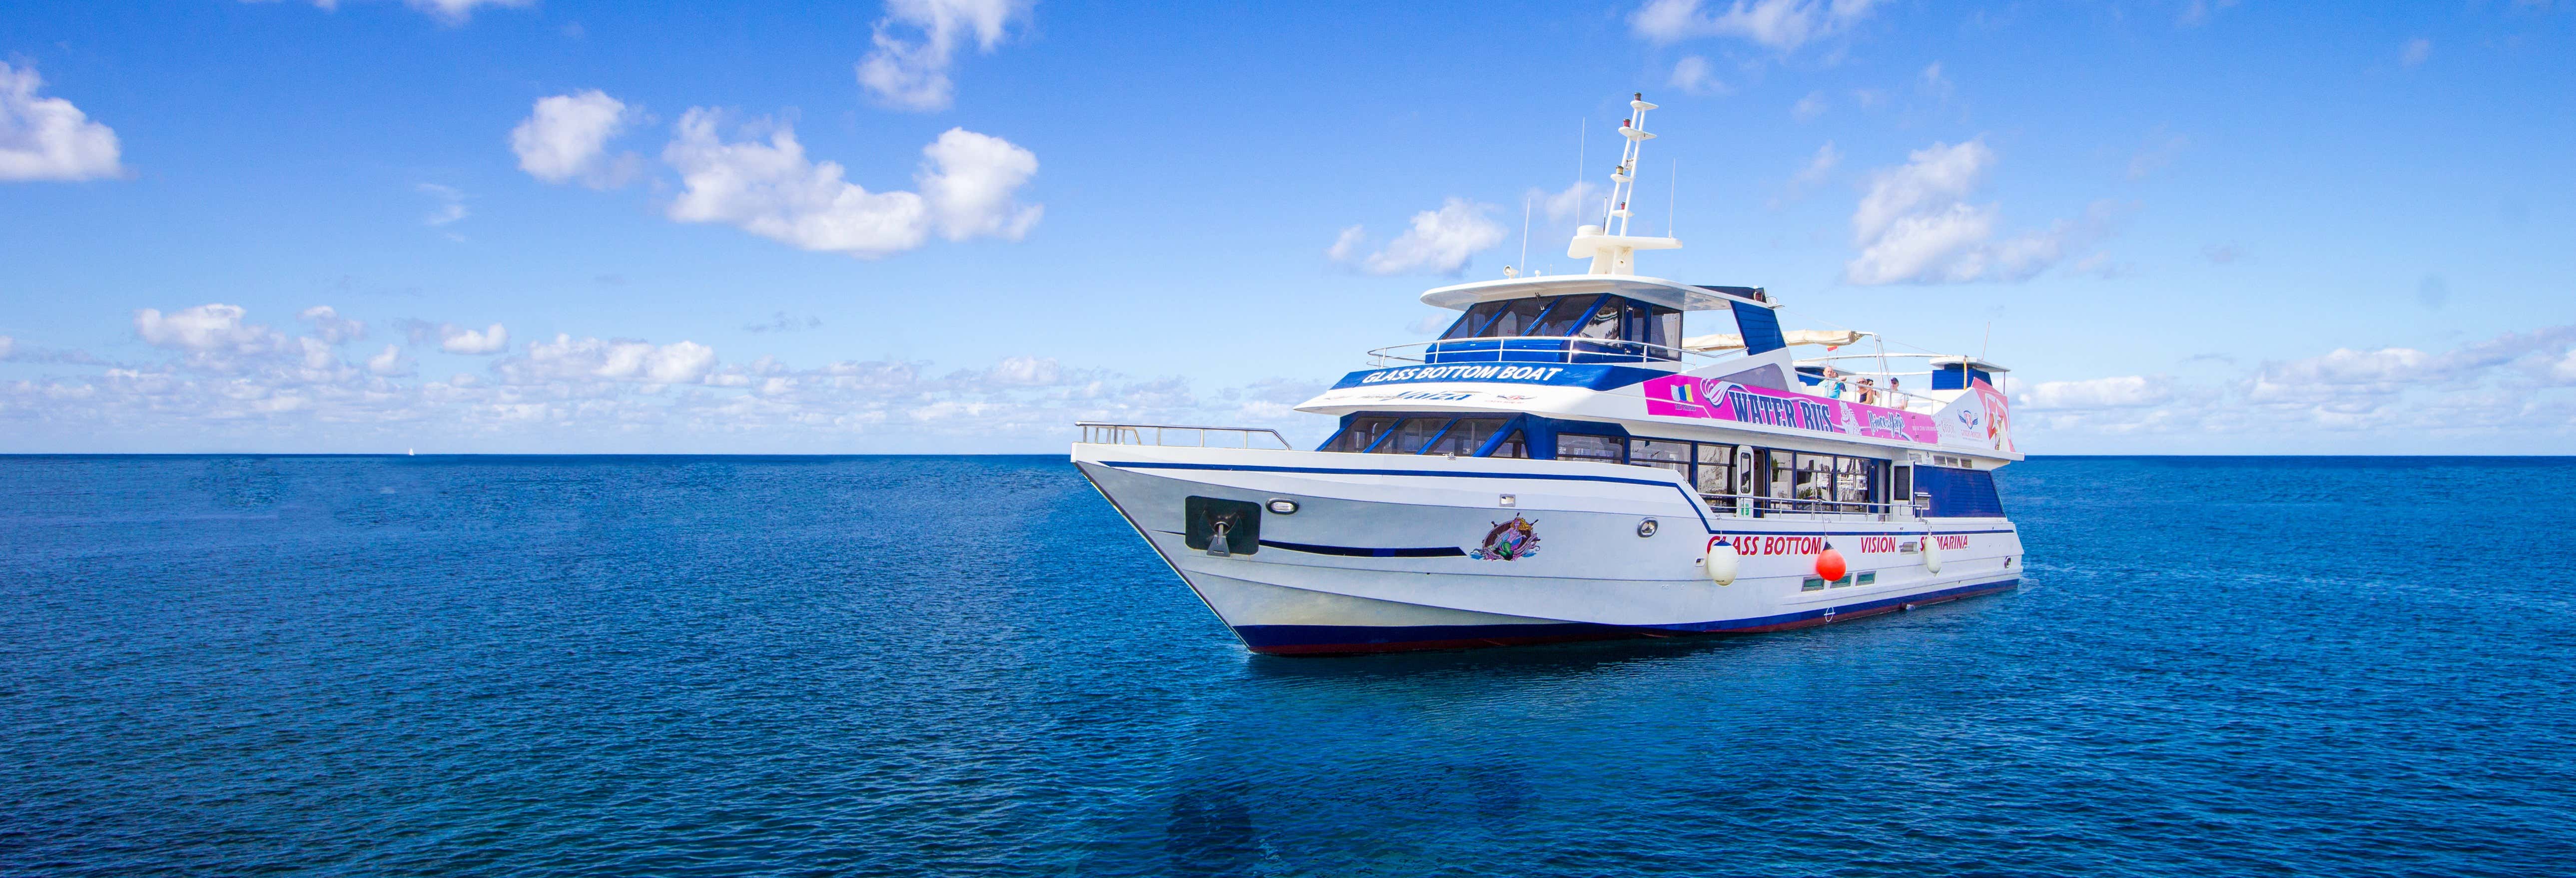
[(959, 666)]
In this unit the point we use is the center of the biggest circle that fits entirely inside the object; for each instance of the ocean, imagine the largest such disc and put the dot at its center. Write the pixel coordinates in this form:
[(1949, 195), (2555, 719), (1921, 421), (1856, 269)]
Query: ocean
[(535, 666)]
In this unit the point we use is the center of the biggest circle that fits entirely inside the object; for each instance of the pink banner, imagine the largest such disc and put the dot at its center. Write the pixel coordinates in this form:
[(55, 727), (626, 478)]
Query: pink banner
[(1688, 397)]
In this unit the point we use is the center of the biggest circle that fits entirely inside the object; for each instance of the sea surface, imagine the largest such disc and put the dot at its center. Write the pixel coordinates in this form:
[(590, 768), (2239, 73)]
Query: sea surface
[(535, 666)]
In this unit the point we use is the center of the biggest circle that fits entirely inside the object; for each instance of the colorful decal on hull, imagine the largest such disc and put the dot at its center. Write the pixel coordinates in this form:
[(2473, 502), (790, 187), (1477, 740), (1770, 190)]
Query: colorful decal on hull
[(1508, 541), (1687, 397)]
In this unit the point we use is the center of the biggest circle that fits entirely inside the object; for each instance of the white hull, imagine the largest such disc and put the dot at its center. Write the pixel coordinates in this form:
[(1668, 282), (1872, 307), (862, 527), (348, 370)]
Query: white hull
[(1382, 551)]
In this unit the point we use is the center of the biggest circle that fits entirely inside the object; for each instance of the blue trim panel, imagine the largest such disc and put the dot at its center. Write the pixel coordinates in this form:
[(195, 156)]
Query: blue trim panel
[(1959, 493), (1761, 328), (1269, 636), (1587, 376)]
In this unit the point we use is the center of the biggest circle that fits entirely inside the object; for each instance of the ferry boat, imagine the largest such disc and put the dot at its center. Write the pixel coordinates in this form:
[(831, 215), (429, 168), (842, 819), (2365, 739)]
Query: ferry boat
[(1564, 463)]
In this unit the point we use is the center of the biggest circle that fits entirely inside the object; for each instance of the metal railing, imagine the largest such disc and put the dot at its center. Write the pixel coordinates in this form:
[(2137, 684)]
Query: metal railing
[(1766, 506), (1533, 349), (1184, 435)]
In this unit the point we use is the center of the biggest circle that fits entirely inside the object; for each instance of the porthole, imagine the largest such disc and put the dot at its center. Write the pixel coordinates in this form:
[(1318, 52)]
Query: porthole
[(1647, 528), (1283, 506)]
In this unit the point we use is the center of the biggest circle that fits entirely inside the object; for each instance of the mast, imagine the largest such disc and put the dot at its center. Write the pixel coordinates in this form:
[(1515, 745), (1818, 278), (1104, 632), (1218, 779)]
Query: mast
[(1612, 249)]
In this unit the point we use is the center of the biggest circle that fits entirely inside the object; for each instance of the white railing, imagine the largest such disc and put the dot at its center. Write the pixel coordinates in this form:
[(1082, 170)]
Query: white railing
[(1537, 349), (1099, 433)]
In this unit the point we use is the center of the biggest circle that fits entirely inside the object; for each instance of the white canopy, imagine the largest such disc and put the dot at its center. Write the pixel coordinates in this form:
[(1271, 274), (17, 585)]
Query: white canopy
[(1730, 341)]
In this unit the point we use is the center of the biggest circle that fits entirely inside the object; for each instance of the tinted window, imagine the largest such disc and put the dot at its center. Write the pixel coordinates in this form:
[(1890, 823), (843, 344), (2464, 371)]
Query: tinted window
[(1579, 446), (1716, 474), (1604, 321), (1569, 312), (1513, 445), (1671, 455), (1475, 319), (1465, 436), (1361, 434), (1409, 437)]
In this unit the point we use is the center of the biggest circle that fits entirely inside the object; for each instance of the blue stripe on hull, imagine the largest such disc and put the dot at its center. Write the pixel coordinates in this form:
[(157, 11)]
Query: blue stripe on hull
[(1345, 639)]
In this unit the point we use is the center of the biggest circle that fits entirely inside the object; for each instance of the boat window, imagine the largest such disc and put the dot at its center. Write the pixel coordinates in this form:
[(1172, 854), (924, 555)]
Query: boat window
[(1815, 477), (1514, 445), (1604, 321), (1362, 433), (1569, 313), (1581, 446), (1410, 436), (1666, 453), (1716, 473), (1851, 483), (1465, 436), (1503, 319)]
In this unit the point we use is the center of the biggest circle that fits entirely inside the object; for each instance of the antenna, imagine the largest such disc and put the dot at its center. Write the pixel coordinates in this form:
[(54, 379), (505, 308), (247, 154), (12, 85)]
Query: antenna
[(1990, 338), (1525, 217), (1623, 179)]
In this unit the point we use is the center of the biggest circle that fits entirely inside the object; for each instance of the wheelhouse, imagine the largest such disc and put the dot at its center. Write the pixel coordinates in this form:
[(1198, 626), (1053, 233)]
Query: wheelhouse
[(1587, 319)]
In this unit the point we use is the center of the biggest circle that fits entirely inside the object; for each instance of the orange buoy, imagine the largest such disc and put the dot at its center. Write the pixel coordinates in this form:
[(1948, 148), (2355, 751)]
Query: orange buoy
[(1829, 566)]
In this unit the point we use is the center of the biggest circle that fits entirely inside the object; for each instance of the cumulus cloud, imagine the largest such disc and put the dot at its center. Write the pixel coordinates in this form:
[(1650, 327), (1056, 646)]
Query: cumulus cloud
[(329, 326), (917, 42), (1809, 107), (244, 385), (1438, 242), (453, 12), (450, 201), (1579, 201), (2514, 383), (1915, 225), (566, 137), (458, 340), (590, 359), (208, 328), (1783, 25), (390, 363), (968, 182), (2127, 391), (1693, 75), (44, 138), (1812, 174)]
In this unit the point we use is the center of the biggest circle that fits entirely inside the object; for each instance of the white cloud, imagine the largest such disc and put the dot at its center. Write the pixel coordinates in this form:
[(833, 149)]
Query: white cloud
[(623, 360), (331, 327), (1026, 372), (1809, 107), (1438, 242), (771, 189), (2414, 52), (453, 12), (459, 340), (451, 204), (47, 138), (566, 136), (1936, 84), (912, 73), (206, 328), (1579, 201), (2515, 383), (391, 363), (969, 182), (1814, 173), (1692, 75), (1915, 225), (2128, 391), (1778, 24), (1347, 245)]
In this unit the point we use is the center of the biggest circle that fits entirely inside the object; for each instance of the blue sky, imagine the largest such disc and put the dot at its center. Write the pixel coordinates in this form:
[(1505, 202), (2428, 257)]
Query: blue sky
[(2201, 227)]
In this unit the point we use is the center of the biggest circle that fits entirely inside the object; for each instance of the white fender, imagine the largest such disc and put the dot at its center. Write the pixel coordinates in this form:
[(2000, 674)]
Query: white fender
[(1931, 555), (1721, 564)]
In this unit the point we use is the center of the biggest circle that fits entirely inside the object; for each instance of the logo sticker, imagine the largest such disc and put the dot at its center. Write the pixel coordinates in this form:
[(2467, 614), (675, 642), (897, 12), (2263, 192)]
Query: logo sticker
[(1508, 541)]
